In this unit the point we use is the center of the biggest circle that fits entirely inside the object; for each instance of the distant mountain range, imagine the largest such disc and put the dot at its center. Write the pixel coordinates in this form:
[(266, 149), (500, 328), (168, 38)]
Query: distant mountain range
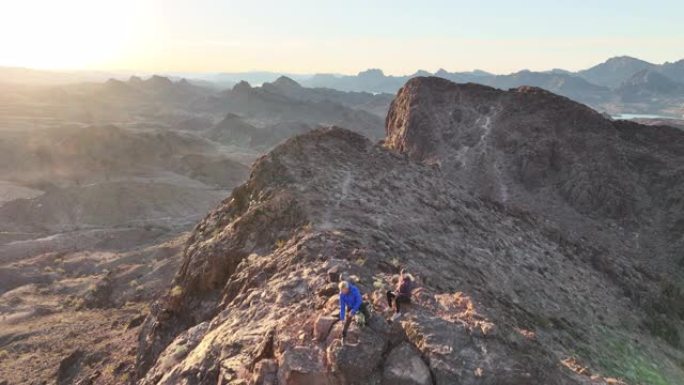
[(619, 85)]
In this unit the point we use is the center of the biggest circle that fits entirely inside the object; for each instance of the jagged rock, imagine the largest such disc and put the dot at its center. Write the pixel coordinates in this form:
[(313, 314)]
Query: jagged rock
[(266, 348), (174, 353), (404, 366)]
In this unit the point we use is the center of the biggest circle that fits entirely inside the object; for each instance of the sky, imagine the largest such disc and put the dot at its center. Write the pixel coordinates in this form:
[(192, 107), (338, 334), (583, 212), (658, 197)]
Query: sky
[(342, 36)]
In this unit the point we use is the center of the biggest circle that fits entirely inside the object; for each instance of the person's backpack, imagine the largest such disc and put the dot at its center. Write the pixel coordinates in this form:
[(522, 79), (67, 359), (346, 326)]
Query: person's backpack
[(360, 319)]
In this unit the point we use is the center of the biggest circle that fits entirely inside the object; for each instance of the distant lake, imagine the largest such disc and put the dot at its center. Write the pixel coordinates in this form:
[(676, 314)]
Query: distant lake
[(642, 116)]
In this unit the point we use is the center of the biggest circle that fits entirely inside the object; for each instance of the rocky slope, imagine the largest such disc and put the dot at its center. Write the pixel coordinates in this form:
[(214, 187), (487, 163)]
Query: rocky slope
[(649, 85), (515, 211), (282, 101)]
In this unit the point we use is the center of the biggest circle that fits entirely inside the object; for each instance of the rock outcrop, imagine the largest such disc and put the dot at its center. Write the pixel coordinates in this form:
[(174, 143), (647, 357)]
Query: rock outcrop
[(467, 194)]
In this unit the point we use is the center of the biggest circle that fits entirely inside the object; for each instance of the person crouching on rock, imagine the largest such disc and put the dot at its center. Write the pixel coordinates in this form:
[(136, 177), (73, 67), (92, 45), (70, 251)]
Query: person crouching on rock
[(352, 303), (401, 295)]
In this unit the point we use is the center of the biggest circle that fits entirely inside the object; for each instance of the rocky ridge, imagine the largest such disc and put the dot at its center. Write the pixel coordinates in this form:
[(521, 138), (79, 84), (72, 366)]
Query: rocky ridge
[(459, 194)]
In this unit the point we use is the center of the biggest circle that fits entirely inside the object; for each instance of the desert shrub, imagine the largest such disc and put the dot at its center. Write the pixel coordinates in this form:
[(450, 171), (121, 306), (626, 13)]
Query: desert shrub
[(665, 312), (176, 291), (73, 302)]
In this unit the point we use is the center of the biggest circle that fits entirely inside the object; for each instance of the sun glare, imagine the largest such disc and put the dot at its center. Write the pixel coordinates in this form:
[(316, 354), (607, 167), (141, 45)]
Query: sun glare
[(66, 34)]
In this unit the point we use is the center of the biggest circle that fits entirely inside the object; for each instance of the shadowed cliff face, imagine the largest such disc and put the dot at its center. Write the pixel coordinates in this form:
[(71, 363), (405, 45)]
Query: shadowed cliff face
[(488, 198), (608, 181)]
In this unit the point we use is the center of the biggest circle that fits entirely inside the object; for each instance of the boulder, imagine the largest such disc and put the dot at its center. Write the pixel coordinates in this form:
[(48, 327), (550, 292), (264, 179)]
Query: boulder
[(405, 366), (322, 327), (265, 373), (355, 360), (303, 366), (328, 290), (334, 274), (69, 367)]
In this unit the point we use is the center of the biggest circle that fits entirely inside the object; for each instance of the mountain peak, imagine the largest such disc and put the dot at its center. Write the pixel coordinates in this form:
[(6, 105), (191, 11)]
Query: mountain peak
[(158, 82), (624, 59), (284, 81), (422, 73), (242, 86), (372, 73), (615, 70)]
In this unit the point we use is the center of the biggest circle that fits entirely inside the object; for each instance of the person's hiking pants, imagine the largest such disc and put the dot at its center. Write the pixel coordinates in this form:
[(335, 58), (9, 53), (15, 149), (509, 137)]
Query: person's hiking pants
[(348, 318), (397, 299)]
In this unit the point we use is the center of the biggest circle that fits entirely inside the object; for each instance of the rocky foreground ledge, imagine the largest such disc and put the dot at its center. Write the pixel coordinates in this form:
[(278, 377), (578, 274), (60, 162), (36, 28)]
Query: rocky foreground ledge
[(506, 294)]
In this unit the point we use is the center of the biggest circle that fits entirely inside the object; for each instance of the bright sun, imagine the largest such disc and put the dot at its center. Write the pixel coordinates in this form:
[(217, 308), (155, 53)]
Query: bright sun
[(61, 34)]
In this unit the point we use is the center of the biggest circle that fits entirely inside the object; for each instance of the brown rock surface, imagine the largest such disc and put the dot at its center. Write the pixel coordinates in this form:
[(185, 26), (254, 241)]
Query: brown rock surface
[(404, 366)]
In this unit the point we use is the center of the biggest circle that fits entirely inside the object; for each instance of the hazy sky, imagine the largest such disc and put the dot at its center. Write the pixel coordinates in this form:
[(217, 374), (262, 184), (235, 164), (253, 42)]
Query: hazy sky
[(344, 36)]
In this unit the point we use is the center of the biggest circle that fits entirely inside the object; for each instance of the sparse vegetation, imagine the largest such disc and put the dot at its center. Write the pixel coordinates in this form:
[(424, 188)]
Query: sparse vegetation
[(180, 351), (73, 302), (665, 313), (176, 291), (619, 357)]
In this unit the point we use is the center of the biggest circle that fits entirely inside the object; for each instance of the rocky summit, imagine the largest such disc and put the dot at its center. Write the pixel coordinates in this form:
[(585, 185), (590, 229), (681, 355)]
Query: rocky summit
[(545, 242)]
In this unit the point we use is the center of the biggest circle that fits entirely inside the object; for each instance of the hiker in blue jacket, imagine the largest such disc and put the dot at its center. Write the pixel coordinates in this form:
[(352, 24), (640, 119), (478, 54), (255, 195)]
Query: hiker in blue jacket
[(352, 303)]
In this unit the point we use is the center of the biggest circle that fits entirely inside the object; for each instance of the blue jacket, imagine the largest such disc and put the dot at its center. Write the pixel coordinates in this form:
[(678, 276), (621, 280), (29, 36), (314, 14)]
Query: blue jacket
[(351, 300)]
